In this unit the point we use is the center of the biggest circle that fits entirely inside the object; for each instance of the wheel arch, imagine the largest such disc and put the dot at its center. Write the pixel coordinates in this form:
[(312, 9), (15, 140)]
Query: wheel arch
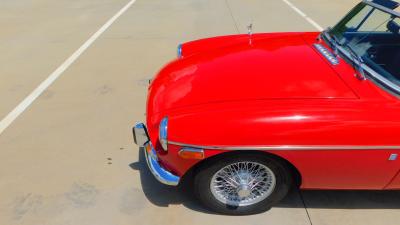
[(295, 172)]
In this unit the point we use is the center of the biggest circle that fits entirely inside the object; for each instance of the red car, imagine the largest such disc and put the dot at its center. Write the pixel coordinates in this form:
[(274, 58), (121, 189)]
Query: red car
[(250, 116)]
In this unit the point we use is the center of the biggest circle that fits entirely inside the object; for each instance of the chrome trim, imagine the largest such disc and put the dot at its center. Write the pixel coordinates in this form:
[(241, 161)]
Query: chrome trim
[(161, 174), (142, 139), (140, 135), (250, 33), (393, 157), (190, 149), (163, 133), (243, 183), (291, 147), (327, 54), (179, 51), (382, 79)]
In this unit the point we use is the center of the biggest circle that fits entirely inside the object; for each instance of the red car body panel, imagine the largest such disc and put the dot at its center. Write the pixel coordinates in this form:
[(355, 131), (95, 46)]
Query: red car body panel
[(277, 91), (325, 169), (395, 183)]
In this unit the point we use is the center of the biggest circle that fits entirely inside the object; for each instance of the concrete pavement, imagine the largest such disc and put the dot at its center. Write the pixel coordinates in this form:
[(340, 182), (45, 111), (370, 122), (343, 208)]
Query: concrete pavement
[(69, 158)]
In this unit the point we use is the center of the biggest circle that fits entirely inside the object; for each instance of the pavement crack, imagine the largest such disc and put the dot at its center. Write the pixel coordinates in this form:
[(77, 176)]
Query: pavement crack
[(233, 18), (305, 207)]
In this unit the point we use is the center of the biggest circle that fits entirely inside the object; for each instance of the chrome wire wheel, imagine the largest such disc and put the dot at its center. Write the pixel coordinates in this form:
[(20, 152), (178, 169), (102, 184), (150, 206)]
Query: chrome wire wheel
[(243, 183)]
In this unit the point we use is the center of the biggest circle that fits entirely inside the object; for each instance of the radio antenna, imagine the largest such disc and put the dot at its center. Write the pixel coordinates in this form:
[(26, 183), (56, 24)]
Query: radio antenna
[(250, 32)]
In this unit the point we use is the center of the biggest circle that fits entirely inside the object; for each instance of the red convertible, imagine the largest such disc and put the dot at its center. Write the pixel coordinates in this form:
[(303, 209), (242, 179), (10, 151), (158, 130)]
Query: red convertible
[(251, 116)]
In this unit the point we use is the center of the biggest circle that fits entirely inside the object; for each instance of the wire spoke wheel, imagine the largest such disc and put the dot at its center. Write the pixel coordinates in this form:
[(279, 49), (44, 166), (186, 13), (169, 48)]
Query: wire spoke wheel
[(243, 183)]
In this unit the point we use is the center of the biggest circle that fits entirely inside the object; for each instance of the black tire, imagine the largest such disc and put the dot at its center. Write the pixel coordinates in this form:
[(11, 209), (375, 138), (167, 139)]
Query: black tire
[(205, 173)]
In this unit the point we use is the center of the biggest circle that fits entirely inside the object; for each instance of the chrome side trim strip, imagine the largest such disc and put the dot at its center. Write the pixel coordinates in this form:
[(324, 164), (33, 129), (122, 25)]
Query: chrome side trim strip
[(291, 147), (190, 149)]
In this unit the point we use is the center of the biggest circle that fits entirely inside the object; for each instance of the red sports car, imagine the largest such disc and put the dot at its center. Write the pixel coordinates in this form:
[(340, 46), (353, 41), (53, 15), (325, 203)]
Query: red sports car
[(250, 116)]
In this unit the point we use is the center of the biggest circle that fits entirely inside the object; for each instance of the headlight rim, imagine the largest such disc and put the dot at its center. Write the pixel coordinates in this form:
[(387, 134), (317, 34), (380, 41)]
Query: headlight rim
[(163, 133), (179, 51)]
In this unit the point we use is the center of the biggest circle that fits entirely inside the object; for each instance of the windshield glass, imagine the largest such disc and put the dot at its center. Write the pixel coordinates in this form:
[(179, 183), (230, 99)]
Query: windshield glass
[(373, 35)]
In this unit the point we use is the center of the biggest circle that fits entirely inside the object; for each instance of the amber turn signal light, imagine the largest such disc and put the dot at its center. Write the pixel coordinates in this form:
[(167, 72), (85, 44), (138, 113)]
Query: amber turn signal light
[(191, 153), (148, 148)]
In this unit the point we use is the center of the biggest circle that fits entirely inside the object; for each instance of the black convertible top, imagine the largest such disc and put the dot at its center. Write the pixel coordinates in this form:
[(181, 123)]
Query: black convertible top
[(389, 6)]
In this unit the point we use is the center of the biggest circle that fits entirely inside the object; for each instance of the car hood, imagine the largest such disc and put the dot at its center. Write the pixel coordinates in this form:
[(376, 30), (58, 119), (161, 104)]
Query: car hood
[(278, 67)]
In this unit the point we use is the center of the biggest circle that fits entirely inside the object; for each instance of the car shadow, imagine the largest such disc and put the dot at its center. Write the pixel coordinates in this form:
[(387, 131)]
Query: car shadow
[(352, 199), (162, 195)]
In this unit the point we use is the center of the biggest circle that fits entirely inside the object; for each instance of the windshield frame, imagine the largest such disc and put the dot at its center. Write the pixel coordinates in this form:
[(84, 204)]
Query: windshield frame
[(359, 65)]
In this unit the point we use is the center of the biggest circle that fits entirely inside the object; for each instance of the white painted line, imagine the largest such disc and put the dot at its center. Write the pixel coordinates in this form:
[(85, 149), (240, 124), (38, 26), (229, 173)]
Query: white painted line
[(301, 13), (13, 115)]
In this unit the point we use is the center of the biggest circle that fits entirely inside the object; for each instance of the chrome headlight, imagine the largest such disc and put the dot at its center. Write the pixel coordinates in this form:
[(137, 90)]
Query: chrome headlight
[(179, 51), (163, 133)]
